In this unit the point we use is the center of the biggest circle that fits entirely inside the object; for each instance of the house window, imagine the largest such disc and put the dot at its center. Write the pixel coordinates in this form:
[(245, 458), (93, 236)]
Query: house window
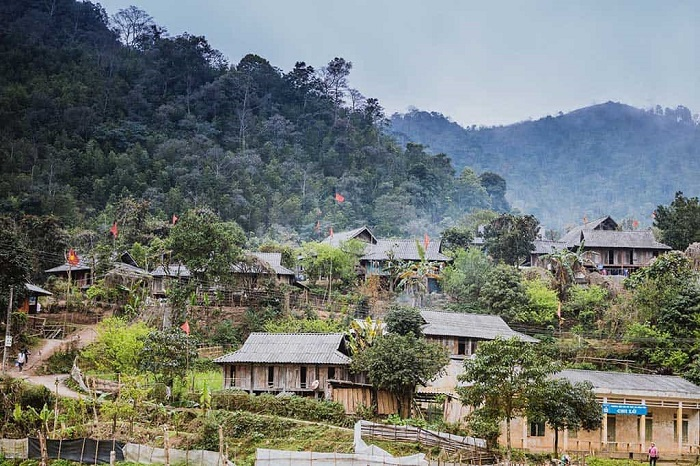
[(648, 427), (462, 346), (331, 373), (302, 377), (631, 257), (611, 257), (684, 428), (270, 376), (537, 429)]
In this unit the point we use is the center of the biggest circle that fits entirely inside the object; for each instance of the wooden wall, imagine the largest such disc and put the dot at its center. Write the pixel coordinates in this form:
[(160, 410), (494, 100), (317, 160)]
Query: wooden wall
[(286, 377), (353, 397)]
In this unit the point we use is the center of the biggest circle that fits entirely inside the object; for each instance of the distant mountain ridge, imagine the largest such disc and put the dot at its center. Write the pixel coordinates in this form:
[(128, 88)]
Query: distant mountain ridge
[(606, 159)]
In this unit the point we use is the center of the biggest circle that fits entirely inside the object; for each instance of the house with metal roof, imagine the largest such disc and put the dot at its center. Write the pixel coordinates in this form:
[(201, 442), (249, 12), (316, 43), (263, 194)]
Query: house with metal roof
[(461, 334), (31, 304), (258, 266), (637, 409), (299, 363), (612, 251)]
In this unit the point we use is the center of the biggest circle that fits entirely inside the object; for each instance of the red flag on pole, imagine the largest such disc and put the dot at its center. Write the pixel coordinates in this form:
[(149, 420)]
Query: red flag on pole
[(114, 230), (175, 219), (635, 224), (73, 258), (330, 232), (426, 241), (339, 197), (185, 327)]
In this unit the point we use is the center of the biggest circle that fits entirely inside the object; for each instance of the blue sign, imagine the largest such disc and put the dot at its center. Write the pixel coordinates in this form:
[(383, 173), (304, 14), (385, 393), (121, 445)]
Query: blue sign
[(634, 410)]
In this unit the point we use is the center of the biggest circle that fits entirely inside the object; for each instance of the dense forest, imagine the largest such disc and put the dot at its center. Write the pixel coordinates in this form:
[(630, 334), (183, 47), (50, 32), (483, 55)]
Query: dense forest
[(608, 159), (95, 110)]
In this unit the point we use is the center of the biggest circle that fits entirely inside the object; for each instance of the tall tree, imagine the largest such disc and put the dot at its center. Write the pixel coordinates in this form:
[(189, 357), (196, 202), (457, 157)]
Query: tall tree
[(500, 379), (510, 238), (563, 405), (399, 363), (679, 222)]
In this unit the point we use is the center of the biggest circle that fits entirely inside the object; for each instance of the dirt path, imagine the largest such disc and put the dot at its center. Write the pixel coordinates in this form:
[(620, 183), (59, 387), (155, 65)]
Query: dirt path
[(81, 339), (54, 382)]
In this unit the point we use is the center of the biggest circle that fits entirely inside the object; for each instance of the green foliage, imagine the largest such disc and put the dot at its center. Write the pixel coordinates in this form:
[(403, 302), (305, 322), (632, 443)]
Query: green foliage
[(117, 348), (404, 320), (503, 292), (205, 244), (563, 405), (500, 379), (398, 363), (322, 260), (294, 325), (510, 238), (465, 277), (679, 222), (456, 238), (293, 406), (167, 354), (542, 305), (586, 304)]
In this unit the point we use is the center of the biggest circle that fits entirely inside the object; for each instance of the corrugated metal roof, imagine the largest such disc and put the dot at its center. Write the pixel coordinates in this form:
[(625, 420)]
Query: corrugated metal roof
[(341, 236), (122, 269), (172, 270), (625, 382), (620, 239), (484, 326), (64, 268), (37, 289), (290, 348), (405, 249), (545, 246), (275, 261)]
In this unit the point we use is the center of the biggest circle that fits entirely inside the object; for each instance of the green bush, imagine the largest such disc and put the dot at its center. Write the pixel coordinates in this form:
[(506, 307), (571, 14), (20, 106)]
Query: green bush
[(294, 406)]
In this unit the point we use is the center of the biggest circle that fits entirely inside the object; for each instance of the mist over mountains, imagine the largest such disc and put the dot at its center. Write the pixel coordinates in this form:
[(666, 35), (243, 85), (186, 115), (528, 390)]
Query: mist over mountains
[(607, 159)]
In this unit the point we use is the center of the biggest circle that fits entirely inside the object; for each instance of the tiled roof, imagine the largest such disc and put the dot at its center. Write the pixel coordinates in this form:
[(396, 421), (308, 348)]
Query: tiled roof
[(122, 269), (405, 249), (290, 348), (619, 382), (545, 246), (483, 326)]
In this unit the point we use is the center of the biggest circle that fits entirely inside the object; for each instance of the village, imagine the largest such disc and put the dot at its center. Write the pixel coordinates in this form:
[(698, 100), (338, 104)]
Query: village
[(321, 345)]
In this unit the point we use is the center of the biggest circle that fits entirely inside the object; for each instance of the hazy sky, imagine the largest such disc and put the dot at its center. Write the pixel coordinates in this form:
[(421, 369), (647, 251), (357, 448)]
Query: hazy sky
[(487, 62)]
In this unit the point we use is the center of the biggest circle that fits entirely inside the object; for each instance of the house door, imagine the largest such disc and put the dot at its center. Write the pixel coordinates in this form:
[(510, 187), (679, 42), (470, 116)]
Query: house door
[(611, 429)]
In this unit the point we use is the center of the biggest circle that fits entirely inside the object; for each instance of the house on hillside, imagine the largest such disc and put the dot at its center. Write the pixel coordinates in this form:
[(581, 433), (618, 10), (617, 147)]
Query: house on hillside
[(122, 269), (605, 248), (31, 304), (299, 363), (259, 266), (380, 254), (165, 275), (614, 252), (79, 275), (461, 334), (637, 409)]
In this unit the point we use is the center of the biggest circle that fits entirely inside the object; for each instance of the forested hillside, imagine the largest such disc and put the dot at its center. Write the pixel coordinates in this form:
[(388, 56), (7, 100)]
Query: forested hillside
[(608, 159), (96, 109)]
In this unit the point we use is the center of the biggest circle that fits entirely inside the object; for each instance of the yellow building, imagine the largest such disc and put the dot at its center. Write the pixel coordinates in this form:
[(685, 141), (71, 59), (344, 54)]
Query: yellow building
[(637, 409)]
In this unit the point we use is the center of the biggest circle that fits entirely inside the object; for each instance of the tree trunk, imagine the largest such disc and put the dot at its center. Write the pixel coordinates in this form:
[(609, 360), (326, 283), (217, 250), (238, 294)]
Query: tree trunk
[(508, 446), (556, 442)]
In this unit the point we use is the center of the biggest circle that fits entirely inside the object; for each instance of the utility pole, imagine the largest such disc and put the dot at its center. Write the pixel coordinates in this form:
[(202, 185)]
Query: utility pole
[(8, 337)]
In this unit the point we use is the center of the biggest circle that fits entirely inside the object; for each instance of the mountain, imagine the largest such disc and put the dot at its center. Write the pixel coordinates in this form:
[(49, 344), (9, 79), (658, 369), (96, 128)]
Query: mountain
[(113, 119), (607, 159)]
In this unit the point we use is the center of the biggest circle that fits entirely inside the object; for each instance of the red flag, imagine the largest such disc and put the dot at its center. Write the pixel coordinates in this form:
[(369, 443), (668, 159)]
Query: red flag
[(635, 223), (185, 327), (73, 258), (426, 240), (114, 230), (330, 232), (175, 219), (339, 197), (653, 214)]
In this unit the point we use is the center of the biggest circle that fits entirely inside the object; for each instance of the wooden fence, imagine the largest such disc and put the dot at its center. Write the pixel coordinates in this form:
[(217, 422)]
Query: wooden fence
[(468, 449)]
